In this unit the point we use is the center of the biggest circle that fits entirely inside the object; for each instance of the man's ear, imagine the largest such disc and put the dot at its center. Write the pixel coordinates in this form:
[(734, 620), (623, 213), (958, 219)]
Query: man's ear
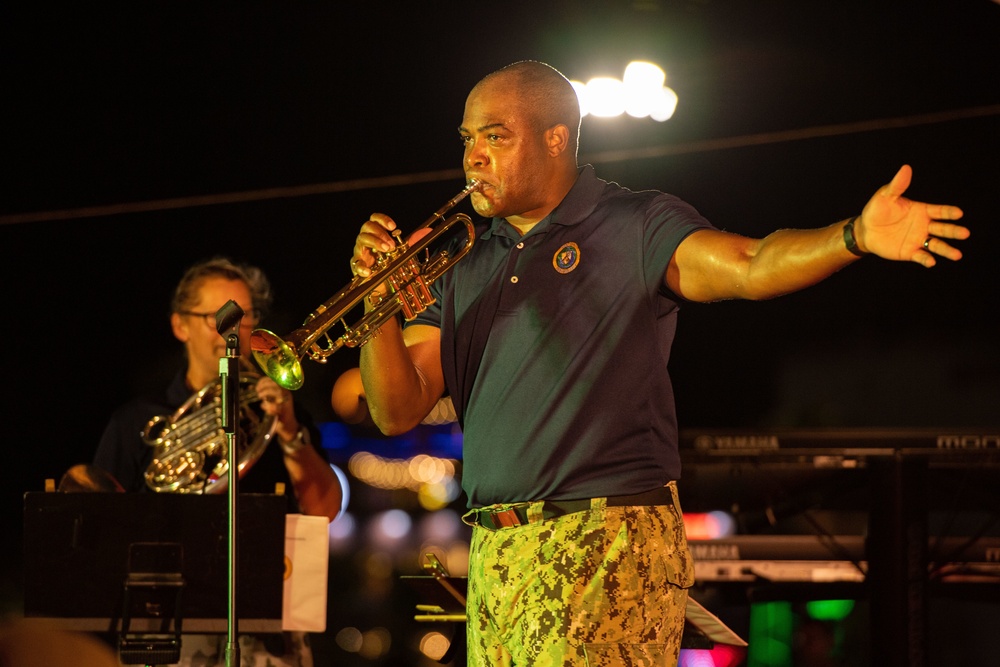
[(557, 139), (179, 327)]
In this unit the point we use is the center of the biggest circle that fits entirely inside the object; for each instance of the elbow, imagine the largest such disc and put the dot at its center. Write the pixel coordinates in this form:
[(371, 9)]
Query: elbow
[(759, 295), (332, 514), (348, 397), (395, 421), (393, 425)]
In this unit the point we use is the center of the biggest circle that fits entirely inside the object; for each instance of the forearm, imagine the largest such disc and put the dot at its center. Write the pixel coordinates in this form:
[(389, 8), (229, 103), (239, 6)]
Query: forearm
[(317, 488), (788, 260)]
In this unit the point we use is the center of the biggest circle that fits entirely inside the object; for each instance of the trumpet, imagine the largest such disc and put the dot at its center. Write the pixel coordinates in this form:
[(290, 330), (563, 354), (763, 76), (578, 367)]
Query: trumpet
[(408, 280)]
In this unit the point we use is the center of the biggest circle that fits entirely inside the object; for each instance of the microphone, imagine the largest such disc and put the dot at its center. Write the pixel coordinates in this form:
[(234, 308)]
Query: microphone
[(228, 317), (227, 322)]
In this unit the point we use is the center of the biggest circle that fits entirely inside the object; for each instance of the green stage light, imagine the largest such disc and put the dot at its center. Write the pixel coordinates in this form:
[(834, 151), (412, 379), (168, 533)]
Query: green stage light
[(829, 610)]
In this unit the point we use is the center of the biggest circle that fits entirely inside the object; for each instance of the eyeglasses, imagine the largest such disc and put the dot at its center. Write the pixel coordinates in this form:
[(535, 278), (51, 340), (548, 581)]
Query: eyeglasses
[(250, 319)]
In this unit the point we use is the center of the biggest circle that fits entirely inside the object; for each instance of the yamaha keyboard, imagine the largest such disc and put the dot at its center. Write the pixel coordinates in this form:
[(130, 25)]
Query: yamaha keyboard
[(904, 484), (842, 448), (833, 558)]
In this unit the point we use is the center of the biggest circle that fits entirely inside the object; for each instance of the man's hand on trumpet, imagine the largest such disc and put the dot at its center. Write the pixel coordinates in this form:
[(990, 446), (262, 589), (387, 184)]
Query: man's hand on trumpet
[(376, 238)]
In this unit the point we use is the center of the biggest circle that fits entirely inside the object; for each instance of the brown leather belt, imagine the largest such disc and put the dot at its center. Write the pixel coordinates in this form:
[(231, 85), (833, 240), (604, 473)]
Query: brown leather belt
[(517, 514)]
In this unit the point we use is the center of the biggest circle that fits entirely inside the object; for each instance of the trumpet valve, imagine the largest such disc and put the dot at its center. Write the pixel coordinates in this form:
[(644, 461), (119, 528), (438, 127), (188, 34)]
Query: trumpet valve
[(376, 298), (383, 258)]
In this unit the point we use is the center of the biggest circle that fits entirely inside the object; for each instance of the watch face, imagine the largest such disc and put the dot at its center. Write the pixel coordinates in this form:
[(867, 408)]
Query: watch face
[(300, 440)]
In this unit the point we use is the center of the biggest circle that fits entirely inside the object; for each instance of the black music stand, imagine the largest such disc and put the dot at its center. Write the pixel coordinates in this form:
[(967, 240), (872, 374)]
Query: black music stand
[(150, 567)]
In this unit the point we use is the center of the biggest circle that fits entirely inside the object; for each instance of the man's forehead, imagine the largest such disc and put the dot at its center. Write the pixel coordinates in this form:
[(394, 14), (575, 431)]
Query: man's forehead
[(492, 103), (501, 114), (483, 125)]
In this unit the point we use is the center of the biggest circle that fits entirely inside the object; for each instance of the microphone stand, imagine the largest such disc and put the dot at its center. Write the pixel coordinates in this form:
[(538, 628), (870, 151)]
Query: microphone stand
[(227, 322)]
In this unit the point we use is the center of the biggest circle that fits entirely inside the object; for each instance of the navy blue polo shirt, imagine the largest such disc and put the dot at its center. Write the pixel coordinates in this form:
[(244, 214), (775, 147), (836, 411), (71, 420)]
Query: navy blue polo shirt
[(555, 345)]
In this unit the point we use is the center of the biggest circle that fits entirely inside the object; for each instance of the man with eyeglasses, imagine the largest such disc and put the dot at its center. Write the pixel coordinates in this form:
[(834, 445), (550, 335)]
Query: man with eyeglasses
[(298, 461)]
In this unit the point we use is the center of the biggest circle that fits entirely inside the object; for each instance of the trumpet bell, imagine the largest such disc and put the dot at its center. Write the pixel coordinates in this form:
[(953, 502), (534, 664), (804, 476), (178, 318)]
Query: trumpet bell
[(278, 359)]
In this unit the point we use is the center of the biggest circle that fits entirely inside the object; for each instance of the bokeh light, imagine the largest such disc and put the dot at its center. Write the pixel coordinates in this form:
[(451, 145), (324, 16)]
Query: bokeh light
[(640, 93)]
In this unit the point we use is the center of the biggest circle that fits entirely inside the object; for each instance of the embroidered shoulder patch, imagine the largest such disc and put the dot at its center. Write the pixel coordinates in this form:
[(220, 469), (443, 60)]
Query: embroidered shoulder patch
[(566, 258)]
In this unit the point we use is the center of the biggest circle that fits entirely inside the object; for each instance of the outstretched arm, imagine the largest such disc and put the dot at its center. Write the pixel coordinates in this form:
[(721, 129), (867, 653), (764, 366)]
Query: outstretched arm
[(712, 265), (894, 227)]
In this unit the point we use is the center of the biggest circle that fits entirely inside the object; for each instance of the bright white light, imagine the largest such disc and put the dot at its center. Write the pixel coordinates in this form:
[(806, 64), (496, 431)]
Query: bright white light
[(664, 104), (441, 526), (644, 76), (640, 93), (342, 527), (638, 103), (581, 94), (393, 524), (605, 97), (641, 86), (724, 523)]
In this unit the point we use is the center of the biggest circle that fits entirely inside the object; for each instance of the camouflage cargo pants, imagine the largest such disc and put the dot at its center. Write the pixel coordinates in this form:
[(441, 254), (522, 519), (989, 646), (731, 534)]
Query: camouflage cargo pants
[(605, 586)]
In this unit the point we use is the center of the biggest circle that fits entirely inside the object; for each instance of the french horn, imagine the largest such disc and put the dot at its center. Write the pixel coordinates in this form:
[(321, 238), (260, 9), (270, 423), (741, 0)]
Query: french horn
[(192, 449)]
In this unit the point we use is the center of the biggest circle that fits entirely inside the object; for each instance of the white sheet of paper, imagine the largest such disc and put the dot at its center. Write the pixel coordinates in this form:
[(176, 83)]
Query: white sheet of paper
[(307, 556)]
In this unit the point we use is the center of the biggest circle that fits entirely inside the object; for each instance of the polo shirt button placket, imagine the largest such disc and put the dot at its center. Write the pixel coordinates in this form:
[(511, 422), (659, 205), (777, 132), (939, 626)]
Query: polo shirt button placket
[(519, 246)]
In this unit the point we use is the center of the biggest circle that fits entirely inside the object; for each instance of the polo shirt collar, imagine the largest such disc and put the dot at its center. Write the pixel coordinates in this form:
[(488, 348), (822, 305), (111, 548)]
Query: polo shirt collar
[(578, 203)]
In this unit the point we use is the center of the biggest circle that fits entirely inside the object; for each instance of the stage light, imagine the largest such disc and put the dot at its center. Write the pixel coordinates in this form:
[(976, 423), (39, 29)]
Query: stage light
[(434, 645), (429, 469), (440, 527), (663, 105), (605, 97), (375, 643), (349, 639), (829, 610), (581, 94), (388, 529), (640, 93), (771, 630), (342, 532), (695, 658), (640, 83), (643, 75), (721, 655), (708, 526), (410, 474)]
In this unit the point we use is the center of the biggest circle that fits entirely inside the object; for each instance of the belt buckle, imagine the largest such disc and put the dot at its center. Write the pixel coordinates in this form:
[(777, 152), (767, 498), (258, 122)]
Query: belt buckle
[(507, 518)]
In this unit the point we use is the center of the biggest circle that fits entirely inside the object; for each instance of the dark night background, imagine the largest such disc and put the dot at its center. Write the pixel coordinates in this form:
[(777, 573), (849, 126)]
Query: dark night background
[(791, 113)]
